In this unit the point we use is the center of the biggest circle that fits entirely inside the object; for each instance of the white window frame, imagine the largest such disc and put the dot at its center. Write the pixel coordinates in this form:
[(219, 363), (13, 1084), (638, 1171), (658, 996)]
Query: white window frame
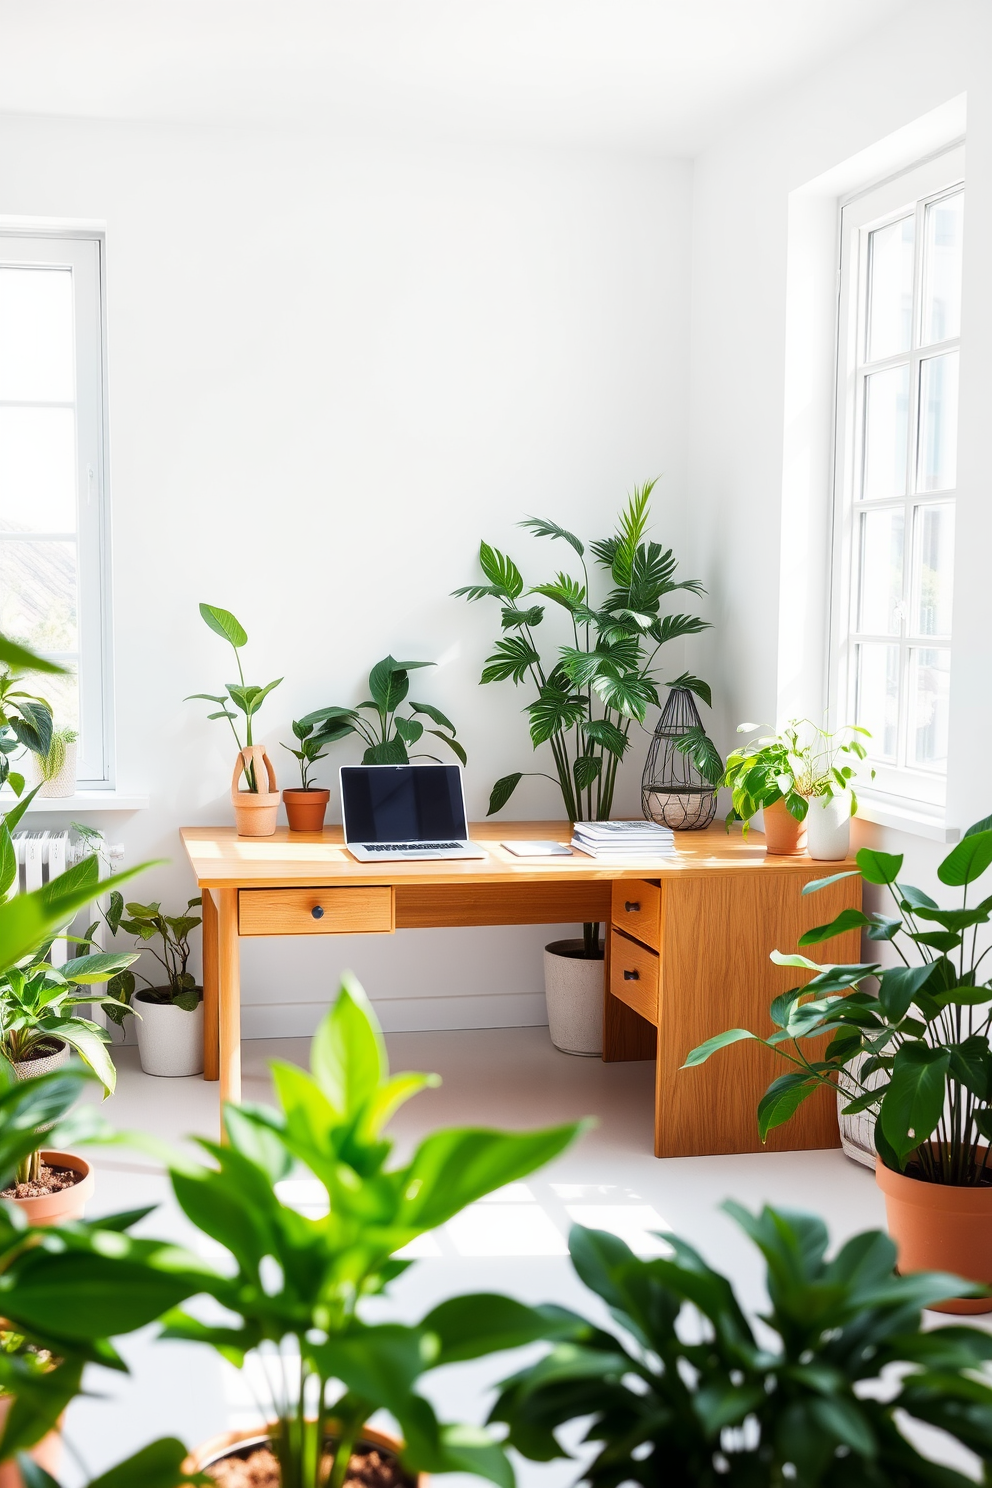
[(899, 785), (83, 253)]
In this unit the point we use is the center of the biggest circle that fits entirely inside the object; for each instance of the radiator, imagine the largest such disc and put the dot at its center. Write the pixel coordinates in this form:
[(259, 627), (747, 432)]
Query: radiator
[(42, 856)]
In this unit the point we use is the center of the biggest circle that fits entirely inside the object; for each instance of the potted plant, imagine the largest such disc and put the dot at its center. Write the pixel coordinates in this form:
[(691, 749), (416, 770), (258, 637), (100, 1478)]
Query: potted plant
[(55, 770), (306, 806), (801, 782), (312, 1310), (25, 720), (255, 809), (169, 1014), (388, 735), (681, 1389), (910, 1045), (589, 694)]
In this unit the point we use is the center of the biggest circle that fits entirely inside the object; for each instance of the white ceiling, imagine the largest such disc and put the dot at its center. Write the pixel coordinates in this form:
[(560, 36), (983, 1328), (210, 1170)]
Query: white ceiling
[(660, 75)]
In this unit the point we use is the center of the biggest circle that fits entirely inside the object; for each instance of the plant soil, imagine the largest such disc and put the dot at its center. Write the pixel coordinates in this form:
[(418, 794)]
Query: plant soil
[(51, 1181), (260, 1469)]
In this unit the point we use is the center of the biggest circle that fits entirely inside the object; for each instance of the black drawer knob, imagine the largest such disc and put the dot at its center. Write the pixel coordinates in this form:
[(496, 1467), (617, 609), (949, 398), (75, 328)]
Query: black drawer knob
[(631, 976), (632, 906), (318, 912)]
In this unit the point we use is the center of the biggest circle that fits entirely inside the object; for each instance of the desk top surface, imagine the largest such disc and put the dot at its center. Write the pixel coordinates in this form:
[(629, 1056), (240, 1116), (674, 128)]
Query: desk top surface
[(222, 859)]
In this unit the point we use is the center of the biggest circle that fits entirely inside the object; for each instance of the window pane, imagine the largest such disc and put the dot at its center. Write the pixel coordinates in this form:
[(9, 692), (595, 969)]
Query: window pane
[(877, 696), (942, 238), (890, 289), (886, 433), (38, 594), (37, 470), (61, 693), (933, 570), (880, 577), (930, 672), (938, 452), (36, 334)]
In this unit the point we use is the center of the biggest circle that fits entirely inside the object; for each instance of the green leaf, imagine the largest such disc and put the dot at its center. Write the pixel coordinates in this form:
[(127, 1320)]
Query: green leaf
[(469, 1327), (8, 860), (694, 684), (878, 867), (703, 753), (513, 657), (434, 714), (541, 527), (223, 623), (23, 659), (848, 919), (409, 729), (985, 825), (898, 986), (554, 712), (586, 769), (702, 1052), (393, 752), (513, 618), (601, 731), (914, 1100), (347, 1054), (452, 744), (967, 861), (501, 571), (565, 591), (389, 682), (159, 1465), (782, 1099), (502, 791), (455, 1167), (824, 883), (99, 967)]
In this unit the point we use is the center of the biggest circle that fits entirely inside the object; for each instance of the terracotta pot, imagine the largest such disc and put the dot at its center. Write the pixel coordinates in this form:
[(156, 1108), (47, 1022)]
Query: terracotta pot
[(47, 1453), (305, 809), (784, 836), (232, 1443), (573, 987), (255, 812), (940, 1227), (69, 1203)]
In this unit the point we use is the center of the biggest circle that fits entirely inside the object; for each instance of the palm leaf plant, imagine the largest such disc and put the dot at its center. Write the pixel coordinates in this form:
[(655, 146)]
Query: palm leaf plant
[(909, 1043), (387, 734), (593, 688), (683, 1390), (246, 698), (297, 1288)]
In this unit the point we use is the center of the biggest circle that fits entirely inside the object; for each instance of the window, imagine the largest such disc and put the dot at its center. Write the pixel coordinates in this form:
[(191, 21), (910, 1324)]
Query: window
[(52, 508), (896, 465)]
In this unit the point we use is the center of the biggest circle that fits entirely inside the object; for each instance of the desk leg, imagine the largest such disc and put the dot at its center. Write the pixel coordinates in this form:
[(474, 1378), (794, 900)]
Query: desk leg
[(211, 1049), (229, 995)]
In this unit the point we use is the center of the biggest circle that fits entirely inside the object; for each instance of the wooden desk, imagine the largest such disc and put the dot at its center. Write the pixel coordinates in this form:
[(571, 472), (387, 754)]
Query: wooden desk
[(696, 929)]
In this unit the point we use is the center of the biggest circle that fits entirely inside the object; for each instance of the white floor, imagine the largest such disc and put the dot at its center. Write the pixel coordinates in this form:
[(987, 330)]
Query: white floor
[(514, 1242)]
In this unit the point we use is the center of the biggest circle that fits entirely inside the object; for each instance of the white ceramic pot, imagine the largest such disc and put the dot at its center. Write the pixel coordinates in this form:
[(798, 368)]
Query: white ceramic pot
[(170, 1039), (573, 986), (828, 827), (64, 783)]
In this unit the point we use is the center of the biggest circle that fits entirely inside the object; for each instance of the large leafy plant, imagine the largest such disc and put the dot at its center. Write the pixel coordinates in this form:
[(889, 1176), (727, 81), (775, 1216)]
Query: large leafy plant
[(908, 1043), (387, 734), (25, 720), (684, 1390), (297, 1286), (795, 766), (590, 690), (167, 938), (246, 698)]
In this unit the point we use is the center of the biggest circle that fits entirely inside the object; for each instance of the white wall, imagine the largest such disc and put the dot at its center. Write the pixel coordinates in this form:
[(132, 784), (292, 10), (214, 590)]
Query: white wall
[(760, 422), (335, 364)]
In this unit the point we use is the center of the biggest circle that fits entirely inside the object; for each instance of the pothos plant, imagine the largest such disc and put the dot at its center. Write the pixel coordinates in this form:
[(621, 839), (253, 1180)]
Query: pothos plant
[(246, 698), (387, 734), (167, 938), (907, 1043), (591, 690), (795, 766), (25, 722)]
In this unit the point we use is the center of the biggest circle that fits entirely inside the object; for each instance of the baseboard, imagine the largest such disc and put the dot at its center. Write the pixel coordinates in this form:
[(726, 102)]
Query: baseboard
[(404, 1014)]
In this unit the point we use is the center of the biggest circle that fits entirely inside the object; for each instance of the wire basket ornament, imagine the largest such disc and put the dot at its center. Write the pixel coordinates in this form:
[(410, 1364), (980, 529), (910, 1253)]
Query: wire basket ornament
[(674, 791)]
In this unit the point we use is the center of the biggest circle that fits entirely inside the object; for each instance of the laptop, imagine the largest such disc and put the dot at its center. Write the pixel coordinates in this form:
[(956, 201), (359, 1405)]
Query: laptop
[(395, 812)]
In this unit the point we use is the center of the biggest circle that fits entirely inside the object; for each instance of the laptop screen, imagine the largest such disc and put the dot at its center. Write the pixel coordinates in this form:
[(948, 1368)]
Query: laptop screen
[(402, 803)]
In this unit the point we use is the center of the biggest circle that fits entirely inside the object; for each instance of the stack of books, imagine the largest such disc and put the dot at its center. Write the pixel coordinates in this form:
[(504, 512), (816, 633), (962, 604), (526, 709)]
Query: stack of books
[(618, 841)]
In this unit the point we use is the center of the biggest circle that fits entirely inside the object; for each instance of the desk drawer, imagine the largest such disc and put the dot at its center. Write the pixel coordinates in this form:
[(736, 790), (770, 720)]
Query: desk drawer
[(358, 911), (635, 976), (637, 909)]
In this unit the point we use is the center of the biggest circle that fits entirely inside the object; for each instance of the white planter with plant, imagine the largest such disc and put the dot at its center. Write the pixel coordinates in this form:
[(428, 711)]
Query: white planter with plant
[(170, 1015), (574, 988), (55, 770)]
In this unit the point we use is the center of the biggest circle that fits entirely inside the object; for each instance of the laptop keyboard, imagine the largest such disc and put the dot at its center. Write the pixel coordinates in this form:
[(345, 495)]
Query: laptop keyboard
[(408, 846)]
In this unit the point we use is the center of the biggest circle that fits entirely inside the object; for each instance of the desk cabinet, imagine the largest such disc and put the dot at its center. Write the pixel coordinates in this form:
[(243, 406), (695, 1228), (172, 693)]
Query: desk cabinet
[(689, 957)]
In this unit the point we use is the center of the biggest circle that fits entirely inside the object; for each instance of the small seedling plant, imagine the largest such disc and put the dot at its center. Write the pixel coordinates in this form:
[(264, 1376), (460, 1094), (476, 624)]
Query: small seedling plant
[(311, 748), (246, 698)]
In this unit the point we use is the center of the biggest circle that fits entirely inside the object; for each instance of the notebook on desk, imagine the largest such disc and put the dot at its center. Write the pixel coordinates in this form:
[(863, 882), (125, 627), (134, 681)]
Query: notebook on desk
[(405, 812)]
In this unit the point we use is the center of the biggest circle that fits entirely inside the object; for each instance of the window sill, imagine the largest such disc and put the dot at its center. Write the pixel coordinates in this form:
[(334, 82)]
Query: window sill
[(82, 803), (906, 816)]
